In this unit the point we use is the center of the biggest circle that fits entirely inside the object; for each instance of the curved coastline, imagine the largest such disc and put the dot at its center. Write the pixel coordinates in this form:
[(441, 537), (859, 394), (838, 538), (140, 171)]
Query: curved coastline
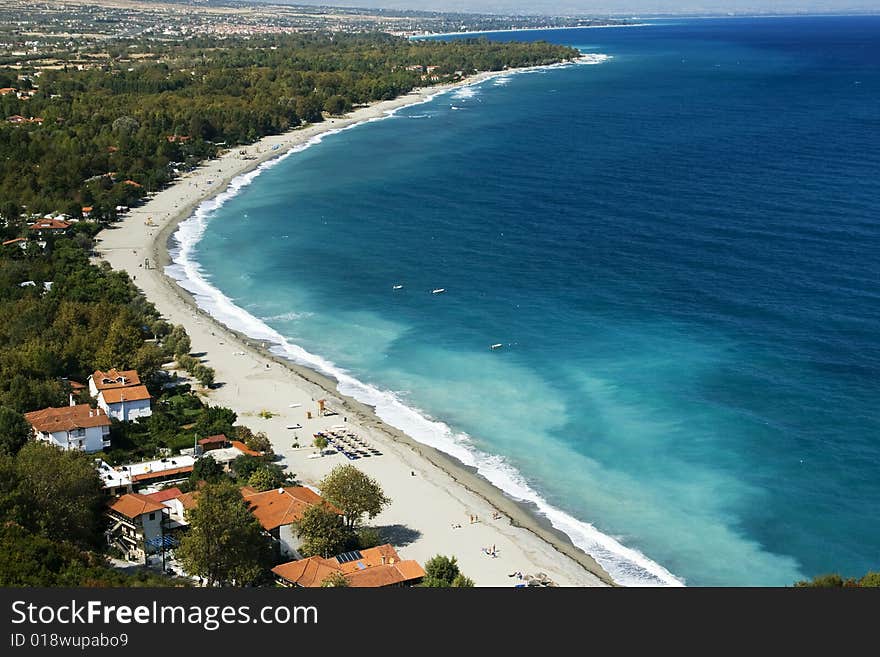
[(269, 151)]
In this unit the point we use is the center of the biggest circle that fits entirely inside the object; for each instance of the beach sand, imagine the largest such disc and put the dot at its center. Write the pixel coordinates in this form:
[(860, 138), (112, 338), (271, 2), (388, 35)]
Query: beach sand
[(434, 497)]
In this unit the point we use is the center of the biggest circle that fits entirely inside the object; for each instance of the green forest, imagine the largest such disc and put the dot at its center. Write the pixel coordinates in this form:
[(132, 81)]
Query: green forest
[(104, 140)]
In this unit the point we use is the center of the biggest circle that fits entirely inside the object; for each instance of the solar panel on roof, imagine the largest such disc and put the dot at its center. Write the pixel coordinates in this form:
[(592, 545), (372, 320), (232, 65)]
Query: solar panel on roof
[(361, 565), (345, 557)]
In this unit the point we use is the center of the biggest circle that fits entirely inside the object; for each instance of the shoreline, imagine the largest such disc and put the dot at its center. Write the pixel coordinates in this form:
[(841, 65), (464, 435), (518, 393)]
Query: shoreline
[(125, 246), (431, 35)]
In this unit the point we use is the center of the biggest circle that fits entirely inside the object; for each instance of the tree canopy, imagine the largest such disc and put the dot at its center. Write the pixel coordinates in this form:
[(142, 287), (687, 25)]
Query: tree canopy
[(322, 532), (14, 430), (354, 493), (443, 572), (225, 543), (62, 494), (871, 579)]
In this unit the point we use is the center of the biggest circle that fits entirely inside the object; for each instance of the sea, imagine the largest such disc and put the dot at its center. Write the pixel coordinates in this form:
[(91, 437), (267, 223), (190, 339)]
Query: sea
[(676, 244)]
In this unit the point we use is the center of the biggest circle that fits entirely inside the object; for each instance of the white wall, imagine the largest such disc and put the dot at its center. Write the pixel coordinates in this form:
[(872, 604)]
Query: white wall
[(128, 410), (88, 440), (152, 528), (290, 542)]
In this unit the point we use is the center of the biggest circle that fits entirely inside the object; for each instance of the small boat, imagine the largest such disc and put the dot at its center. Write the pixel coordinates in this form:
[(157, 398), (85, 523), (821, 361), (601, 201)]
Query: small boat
[(396, 287), (295, 426), (439, 290), (497, 345)]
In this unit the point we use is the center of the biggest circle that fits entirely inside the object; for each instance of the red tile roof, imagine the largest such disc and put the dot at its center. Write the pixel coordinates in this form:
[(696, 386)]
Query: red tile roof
[(307, 572), (133, 505), (130, 393), (280, 506), (164, 495), (66, 418), (387, 575), (15, 241), (50, 224), (368, 571), (114, 378), (211, 440), (241, 447), (189, 500)]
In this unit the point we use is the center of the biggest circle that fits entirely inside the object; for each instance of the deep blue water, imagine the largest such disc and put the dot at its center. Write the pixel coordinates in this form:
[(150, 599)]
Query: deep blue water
[(679, 249)]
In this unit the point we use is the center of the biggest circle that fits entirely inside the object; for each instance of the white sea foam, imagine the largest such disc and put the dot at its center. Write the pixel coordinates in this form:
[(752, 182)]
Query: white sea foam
[(627, 566), (592, 59), (465, 93)]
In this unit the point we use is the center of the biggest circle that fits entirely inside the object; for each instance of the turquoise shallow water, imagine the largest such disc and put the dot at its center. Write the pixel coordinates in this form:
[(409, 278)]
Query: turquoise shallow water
[(678, 249)]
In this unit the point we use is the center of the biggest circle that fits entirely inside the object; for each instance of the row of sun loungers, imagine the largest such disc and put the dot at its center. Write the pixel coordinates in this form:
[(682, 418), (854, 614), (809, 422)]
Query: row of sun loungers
[(349, 444)]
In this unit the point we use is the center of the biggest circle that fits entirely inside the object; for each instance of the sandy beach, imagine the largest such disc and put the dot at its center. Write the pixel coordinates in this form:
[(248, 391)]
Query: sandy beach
[(434, 497)]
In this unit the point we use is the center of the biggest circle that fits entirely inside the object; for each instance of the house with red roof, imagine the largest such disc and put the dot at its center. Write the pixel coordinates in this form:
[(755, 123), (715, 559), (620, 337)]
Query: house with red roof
[(376, 567), (278, 509), (121, 394), (72, 427), (137, 526), (49, 226)]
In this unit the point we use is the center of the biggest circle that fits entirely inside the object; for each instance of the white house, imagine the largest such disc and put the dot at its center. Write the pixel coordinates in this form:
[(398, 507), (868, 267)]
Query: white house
[(137, 526), (120, 394), (278, 509), (126, 404), (72, 427)]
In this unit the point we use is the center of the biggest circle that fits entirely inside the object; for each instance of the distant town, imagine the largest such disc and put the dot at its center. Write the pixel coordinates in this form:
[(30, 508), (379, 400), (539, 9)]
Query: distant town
[(37, 33)]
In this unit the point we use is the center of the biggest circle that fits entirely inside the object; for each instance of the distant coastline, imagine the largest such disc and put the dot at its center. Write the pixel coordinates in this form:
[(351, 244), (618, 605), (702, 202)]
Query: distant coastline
[(527, 29)]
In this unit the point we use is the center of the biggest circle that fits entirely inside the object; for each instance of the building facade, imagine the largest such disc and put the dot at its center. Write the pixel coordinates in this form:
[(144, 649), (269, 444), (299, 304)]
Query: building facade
[(121, 394), (72, 427), (136, 526)]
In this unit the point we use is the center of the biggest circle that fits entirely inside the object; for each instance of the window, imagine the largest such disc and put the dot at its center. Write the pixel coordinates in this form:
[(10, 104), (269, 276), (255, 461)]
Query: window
[(153, 516)]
